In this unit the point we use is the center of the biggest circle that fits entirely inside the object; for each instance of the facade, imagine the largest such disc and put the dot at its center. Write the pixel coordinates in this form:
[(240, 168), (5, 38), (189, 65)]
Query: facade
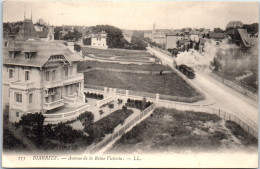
[(38, 76), (148, 35)]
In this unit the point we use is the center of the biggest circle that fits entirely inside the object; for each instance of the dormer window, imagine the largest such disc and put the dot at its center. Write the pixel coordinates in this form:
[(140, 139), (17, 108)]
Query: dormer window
[(29, 55)]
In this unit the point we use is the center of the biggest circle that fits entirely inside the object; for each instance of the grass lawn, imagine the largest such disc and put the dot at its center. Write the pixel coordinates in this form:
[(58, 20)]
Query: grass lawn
[(167, 84), (169, 130), (145, 67), (251, 81), (132, 58), (115, 52), (107, 124)]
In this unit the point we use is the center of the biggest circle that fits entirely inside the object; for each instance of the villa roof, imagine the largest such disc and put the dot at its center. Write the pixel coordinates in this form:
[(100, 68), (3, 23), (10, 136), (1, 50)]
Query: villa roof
[(44, 51), (245, 37), (42, 34)]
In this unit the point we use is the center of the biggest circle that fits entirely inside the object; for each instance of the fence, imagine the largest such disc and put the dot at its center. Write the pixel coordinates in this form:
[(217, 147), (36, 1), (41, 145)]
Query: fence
[(222, 114), (120, 130), (149, 96), (242, 88)]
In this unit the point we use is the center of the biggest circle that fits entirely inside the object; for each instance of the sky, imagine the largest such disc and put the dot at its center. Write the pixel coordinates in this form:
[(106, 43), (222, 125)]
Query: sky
[(134, 15)]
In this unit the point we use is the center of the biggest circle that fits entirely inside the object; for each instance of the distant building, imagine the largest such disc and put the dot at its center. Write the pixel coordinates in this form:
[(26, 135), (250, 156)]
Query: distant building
[(39, 76), (148, 35), (128, 35), (172, 39), (195, 36), (97, 40)]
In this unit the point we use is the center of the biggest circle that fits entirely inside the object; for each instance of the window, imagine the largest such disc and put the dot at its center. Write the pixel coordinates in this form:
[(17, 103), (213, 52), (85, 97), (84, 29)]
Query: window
[(66, 71), (53, 75), (17, 114), (47, 75), (30, 98), (27, 75), (18, 98), (6, 44), (11, 73), (27, 55)]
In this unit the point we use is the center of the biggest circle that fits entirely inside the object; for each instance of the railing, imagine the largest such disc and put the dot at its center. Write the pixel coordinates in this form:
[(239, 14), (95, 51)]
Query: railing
[(62, 117), (22, 85), (104, 101), (120, 130), (242, 88), (72, 79), (52, 105), (51, 84)]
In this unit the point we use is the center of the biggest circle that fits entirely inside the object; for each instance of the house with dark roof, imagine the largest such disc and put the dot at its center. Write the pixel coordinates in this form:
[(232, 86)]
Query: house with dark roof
[(40, 76), (216, 36)]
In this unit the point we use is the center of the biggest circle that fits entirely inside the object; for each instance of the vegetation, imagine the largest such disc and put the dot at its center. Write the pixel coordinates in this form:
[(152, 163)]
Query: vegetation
[(10, 142), (167, 84), (77, 47), (115, 52), (94, 96), (170, 130), (49, 137), (107, 124), (145, 67), (12, 27), (139, 104), (241, 134)]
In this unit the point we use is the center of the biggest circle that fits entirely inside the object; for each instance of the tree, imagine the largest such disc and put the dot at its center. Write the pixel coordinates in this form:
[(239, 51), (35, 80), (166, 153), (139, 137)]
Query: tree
[(119, 101), (32, 126), (111, 106), (72, 35), (86, 118), (218, 30), (77, 47), (87, 41), (101, 112), (57, 31)]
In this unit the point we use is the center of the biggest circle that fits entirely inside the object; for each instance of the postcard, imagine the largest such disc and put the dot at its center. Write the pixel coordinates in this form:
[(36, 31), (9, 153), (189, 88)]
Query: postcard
[(131, 84)]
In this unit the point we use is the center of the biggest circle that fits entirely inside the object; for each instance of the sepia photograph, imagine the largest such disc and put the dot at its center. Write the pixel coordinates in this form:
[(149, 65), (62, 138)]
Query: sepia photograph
[(119, 83)]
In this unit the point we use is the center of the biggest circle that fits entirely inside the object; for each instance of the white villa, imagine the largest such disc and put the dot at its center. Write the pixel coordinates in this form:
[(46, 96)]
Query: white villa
[(98, 40), (39, 76)]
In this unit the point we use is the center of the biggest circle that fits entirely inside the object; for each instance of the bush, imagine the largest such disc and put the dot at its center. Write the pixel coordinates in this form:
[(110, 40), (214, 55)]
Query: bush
[(32, 127), (124, 108)]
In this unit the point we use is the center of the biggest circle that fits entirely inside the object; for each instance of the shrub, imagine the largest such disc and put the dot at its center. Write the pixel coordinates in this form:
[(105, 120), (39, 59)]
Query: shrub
[(124, 108)]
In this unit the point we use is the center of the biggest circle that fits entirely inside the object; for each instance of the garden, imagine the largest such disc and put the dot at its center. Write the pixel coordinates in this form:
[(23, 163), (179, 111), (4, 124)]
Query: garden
[(167, 84), (115, 52), (170, 130)]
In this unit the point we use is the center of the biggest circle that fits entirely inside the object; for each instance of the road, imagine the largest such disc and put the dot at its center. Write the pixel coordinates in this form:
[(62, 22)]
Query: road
[(225, 98)]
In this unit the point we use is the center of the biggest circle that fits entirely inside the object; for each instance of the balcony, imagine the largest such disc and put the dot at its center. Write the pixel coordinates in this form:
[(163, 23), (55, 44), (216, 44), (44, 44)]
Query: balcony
[(22, 85), (53, 105), (73, 79), (53, 84)]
